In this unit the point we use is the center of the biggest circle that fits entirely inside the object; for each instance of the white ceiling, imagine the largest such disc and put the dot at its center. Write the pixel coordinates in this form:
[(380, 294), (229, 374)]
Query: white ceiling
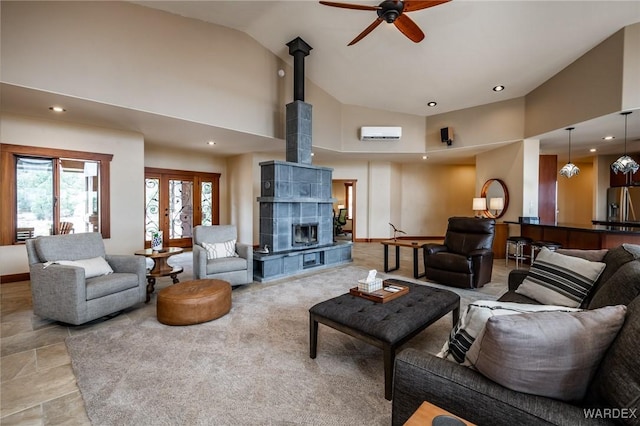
[(470, 46)]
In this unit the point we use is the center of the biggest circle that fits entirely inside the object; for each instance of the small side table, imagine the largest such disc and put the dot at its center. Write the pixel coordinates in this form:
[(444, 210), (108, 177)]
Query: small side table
[(160, 267), (416, 245), (425, 414)]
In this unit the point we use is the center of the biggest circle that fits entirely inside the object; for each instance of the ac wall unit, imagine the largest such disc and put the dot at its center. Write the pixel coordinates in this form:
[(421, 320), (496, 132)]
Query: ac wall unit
[(388, 133)]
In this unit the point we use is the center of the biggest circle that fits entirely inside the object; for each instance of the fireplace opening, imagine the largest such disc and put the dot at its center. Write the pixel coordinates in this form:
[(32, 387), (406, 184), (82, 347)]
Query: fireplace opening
[(305, 234)]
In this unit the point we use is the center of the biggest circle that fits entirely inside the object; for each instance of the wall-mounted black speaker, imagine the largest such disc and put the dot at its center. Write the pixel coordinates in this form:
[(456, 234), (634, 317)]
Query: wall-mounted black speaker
[(446, 135)]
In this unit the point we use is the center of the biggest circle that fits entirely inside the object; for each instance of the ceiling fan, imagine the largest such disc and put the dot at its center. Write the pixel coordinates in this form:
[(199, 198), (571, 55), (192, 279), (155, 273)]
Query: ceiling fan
[(393, 12)]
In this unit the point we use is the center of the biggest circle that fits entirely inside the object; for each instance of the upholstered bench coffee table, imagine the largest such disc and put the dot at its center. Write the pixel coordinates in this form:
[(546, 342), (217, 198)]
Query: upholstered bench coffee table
[(193, 302), (384, 325)]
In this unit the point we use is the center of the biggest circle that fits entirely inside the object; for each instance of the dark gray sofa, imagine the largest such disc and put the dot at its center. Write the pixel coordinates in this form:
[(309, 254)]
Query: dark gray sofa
[(464, 392)]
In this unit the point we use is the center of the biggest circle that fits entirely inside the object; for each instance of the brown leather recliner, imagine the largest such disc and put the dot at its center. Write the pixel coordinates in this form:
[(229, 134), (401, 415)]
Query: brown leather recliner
[(466, 258)]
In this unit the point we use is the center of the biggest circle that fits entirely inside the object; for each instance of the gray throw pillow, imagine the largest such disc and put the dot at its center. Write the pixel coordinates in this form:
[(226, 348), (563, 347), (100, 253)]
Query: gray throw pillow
[(620, 289), (558, 279), (472, 322), (592, 255), (551, 354)]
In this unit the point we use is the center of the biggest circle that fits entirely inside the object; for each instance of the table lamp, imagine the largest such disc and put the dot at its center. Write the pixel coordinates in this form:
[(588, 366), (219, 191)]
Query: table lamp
[(479, 205)]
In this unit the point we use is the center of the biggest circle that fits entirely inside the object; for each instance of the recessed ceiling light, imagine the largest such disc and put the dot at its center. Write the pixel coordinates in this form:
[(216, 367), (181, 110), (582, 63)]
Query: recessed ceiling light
[(498, 88), (313, 154), (592, 150), (56, 108), (609, 138), (432, 104), (211, 143), (425, 157)]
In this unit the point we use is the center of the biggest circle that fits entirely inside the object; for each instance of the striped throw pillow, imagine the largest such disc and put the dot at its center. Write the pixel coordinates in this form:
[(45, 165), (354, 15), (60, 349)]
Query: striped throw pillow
[(220, 250), (557, 279)]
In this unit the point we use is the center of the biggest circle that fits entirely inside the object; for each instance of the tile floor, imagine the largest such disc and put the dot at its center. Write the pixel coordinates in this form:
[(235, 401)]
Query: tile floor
[(37, 384)]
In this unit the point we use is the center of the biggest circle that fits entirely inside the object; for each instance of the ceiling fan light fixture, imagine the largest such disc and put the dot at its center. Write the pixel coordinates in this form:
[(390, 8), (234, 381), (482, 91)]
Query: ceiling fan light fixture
[(569, 170), (390, 16), (392, 12), (625, 164)]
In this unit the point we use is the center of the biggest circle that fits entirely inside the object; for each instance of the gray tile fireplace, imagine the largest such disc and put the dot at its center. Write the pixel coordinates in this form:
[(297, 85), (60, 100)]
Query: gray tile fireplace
[(296, 207)]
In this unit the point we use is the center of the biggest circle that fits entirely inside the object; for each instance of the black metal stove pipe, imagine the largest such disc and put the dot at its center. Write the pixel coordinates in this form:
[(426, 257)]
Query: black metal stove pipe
[(298, 48)]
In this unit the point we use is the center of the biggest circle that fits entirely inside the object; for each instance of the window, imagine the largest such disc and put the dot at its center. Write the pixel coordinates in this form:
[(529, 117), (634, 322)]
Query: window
[(348, 187), (51, 191)]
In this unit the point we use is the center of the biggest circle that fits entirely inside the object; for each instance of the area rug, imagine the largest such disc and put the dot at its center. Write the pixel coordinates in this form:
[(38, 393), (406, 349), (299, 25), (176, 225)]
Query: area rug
[(251, 366)]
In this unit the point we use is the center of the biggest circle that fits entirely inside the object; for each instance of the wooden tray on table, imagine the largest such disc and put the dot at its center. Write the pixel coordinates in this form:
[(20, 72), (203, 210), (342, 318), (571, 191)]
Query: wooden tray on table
[(382, 295)]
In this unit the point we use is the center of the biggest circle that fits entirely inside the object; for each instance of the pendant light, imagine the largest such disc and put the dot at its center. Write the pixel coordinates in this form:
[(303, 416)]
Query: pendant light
[(625, 164), (569, 169)]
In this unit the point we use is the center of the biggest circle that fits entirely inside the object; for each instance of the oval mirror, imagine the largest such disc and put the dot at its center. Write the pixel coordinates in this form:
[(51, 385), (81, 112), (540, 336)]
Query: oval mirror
[(495, 191)]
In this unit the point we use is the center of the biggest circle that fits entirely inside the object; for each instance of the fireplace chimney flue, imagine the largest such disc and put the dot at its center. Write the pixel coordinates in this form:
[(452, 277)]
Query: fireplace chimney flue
[(298, 48), (299, 126)]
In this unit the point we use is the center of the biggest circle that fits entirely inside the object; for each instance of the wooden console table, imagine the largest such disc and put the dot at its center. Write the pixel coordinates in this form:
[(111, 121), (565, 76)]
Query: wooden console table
[(160, 267)]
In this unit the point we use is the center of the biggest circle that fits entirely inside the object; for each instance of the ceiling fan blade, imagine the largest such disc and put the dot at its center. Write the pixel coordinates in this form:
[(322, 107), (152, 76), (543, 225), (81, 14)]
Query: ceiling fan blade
[(351, 6), (410, 6), (367, 30), (409, 28)]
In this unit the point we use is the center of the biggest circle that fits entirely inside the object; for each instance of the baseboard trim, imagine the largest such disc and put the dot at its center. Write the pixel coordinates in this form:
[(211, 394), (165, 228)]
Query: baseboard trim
[(14, 278)]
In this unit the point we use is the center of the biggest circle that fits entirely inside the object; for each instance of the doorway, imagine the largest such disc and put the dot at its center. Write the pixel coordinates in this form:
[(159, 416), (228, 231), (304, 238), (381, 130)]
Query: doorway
[(176, 201), (344, 191)]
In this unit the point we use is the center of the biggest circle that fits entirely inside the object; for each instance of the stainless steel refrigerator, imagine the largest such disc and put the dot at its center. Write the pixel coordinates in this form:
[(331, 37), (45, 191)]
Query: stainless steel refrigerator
[(623, 204)]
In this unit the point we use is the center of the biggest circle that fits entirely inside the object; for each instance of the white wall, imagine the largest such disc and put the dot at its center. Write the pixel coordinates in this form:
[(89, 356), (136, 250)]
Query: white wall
[(127, 177), (354, 117), (379, 207), (433, 193), (397, 194), (242, 202), (574, 209), (128, 55), (486, 124), (508, 164)]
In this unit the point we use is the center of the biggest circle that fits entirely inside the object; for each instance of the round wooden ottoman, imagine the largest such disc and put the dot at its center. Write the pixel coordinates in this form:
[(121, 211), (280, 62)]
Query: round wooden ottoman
[(193, 302)]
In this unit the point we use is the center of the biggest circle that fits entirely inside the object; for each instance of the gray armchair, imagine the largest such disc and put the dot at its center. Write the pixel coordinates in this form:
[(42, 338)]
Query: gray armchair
[(61, 292), (235, 270)]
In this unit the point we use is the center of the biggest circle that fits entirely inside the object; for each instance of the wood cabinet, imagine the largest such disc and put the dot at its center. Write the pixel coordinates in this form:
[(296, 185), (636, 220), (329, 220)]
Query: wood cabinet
[(500, 240), (576, 237)]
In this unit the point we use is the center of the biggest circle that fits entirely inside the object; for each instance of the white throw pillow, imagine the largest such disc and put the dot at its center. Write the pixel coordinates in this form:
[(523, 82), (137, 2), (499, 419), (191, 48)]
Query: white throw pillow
[(551, 354), (220, 250), (558, 279), (473, 321), (92, 267)]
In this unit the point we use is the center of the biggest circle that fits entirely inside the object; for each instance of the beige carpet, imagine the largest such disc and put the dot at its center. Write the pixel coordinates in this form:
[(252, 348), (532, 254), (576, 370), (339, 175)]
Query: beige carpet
[(251, 366)]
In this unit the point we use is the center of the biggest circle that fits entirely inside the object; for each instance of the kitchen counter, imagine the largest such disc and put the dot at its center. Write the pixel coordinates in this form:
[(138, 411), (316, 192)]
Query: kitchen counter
[(579, 236)]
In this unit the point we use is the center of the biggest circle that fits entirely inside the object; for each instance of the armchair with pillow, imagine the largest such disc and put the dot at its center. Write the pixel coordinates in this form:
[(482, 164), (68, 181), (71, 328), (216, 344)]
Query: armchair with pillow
[(465, 259), (74, 281), (574, 363), (218, 255)]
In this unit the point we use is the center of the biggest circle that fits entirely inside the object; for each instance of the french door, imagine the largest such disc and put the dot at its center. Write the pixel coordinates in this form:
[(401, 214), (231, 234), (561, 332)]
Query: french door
[(176, 201)]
